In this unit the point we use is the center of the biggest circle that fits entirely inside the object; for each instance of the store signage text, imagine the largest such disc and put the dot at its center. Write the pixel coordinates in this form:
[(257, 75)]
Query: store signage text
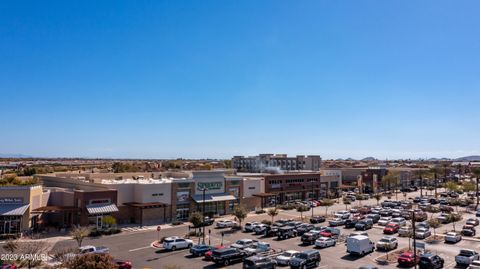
[(209, 186), (11, 200)]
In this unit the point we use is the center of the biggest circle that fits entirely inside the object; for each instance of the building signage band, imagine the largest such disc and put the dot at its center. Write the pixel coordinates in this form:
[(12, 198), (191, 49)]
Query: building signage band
[(209, 186), (11, 200)]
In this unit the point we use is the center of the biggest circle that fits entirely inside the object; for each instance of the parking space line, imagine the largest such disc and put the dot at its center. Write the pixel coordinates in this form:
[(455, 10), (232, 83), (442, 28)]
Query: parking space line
[(135, 249)]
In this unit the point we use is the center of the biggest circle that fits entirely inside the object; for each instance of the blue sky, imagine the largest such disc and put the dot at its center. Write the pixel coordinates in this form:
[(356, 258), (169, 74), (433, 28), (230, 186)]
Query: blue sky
[(167, 79)]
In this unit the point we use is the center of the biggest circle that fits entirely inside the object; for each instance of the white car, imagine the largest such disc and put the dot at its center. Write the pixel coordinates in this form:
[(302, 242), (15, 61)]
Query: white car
[(387, 243), (225, 223), (243, 243), (174, 243), (343, 214), (422, 233), (383, 221), (324, 242), (285, 257), (406, 231), (453, 237), (400, 221), (336, 222), (249, 226), (474, 265)]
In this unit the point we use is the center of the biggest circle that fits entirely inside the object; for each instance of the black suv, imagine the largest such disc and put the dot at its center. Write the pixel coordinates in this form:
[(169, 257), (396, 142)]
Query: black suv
[(286, 232), (306, 259), (226, 256), (271, 231), (259, 262), (350, 223), (430, 261), (364, 224), (317, 219), (304, 228)]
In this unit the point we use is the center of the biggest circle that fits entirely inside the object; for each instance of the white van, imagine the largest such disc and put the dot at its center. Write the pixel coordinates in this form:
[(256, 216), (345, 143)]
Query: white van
[(360, 245)]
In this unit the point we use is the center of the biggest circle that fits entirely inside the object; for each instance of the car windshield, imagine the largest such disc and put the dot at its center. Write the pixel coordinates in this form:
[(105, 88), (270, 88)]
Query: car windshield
[(466, 253), (384, 240), (168, 241), (286, 254), (240, 242)]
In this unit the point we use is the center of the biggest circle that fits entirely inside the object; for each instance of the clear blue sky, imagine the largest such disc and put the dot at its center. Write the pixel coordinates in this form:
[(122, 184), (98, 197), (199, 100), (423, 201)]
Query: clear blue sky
[(165, 79)]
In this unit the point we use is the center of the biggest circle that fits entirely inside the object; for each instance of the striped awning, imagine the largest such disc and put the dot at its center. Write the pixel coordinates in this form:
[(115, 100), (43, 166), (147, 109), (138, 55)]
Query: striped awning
[(213, 198), (101, 209), (13, 210)]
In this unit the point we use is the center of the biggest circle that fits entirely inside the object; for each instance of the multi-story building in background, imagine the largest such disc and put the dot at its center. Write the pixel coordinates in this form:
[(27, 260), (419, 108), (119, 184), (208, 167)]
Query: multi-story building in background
[(272, 162)]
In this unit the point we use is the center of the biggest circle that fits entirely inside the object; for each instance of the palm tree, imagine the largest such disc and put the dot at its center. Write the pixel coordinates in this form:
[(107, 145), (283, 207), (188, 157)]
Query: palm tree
[(476, 172), (392, 178), (378, 197), (419, 173)]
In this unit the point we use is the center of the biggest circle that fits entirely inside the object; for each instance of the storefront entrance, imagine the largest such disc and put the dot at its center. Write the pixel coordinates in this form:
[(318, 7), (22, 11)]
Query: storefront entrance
[(10, 225)]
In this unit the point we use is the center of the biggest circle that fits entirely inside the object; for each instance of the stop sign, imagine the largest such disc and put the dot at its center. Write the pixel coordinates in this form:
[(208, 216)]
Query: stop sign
[(159, 228)]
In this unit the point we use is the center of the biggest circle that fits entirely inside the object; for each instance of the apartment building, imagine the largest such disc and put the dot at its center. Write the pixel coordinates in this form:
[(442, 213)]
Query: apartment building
[(276, 162)]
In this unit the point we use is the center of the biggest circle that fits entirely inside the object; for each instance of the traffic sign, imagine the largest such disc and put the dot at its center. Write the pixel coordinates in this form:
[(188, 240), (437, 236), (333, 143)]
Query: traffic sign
[(159, 228)]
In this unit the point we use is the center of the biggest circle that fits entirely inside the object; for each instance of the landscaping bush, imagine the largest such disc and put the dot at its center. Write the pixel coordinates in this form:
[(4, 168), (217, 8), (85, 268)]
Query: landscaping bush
[(260, 211), (94, 232), (115, 230), (266, 222), (177, 222)]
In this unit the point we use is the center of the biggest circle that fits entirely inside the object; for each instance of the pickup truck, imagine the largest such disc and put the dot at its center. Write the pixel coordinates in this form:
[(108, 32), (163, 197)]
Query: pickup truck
[(226, 256), (93, 249), (259, 248), (466, 257)]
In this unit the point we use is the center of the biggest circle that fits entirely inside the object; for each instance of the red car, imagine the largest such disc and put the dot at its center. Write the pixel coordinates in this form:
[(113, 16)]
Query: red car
[(208, 254), (122, 264), (407, 259), (391, 228)]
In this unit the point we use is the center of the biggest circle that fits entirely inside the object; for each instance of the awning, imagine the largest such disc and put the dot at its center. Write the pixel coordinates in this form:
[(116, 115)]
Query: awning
[(213, 198), (101, 209), (13, 210), (265, 194), (55, 209), (146, 205)]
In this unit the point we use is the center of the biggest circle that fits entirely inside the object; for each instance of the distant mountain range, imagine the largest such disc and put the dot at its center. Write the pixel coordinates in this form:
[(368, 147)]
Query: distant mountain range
[(473, 158), (7, 155)]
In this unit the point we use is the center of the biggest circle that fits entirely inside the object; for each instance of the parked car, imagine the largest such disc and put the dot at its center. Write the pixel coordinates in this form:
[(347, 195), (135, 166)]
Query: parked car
[(317, 219), (200, 250), (226, 223), (304, 228), (343, 214), (336, 222), (364, 224), (374, 217), (227, 256), (387, 243), (258, 248), (452, 237), (285, 257), (260, 228), (208, 221), (119, 264), (324, 242), (94, 249), (243, 243), (359, 245), (391, 228), (306, 259), (249, 226), (271, 231), (472, 221), (259, 262), (350, 223), (405, 231), (423, 224), (330, 232), (383, 221), (468, 230), (286, 232), (466, 257), (208, 255), (422, 233), (474, 265), (310, 237), (400, 221), (477, 214), (430, 261), (174, 243), (408, 259)]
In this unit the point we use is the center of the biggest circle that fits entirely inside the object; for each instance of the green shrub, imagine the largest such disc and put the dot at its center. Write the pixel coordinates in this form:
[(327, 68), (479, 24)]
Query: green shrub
[(177, 222), (266, 222)]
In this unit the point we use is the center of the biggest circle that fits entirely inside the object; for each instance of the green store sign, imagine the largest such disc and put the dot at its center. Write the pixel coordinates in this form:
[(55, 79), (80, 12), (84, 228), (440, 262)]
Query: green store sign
[(209, 186)]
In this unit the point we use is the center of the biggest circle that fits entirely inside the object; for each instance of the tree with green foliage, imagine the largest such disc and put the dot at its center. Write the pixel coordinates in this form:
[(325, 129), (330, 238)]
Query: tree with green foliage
[(240, 213), (451, 186), (272, 212), (346, 202), (434, 224), (378, 197), (79, 233), (196, 218), (468, 186), (109, 221), (435, 171), (301, 209), (327, 203)]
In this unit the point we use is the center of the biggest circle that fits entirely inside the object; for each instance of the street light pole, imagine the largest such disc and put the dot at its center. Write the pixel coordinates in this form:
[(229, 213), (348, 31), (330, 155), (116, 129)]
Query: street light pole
[(203, 234), (414, 240)]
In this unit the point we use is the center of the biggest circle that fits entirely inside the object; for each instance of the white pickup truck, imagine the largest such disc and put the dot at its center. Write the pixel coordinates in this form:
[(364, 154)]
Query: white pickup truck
[(258, 248), (466, 257), (93, 249)]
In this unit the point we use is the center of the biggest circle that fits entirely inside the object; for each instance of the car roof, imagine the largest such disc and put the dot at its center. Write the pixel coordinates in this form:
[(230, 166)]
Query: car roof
[(427, 255)]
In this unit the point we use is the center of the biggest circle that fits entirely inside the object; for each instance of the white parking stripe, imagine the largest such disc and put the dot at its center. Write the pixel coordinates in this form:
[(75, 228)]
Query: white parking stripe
[(135, 249)]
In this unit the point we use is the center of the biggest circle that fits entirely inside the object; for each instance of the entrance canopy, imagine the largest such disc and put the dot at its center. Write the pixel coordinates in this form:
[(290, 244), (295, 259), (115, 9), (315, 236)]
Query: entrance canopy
[(13, 210), (213, 198), (101, 209)]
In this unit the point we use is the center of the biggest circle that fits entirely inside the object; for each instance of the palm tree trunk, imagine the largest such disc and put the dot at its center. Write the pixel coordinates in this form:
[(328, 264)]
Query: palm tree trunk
[(436, 184), (476, 194)]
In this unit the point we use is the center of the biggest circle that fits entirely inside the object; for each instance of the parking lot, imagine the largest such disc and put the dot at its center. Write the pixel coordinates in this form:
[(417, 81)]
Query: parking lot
[(136, 246)]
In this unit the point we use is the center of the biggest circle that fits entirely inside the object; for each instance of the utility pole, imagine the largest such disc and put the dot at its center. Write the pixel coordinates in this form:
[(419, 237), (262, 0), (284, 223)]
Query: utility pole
[(414, 240), (311, 199)]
